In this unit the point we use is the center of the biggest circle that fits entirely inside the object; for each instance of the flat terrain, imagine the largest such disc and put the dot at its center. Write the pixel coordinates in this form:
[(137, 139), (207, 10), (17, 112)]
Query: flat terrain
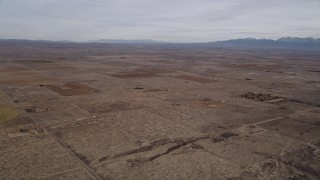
[(94, 111)]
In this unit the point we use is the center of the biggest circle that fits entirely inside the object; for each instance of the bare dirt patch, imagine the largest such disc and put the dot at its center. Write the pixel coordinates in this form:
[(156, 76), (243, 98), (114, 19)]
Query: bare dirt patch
[(156, 90), (72, 89), (31, 61), (253, 66), (23, 78), (195, 79), (135, 75), (312, 70), (140, 73), (107, 107), (209, 102)]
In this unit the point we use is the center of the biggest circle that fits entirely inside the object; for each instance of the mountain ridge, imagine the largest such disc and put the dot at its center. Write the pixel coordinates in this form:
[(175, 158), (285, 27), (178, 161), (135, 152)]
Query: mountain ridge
[(129, 41), (281, 42)]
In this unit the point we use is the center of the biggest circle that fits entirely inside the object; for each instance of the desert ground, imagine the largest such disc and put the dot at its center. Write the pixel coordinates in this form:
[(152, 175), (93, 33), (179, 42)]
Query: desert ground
[(171, 111)]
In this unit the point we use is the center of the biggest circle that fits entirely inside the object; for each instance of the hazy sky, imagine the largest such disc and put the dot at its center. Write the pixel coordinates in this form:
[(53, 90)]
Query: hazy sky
[(166, 20)]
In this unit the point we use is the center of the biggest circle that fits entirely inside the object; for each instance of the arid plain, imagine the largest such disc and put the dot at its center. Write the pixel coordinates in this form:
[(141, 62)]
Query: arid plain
[(171, 111)]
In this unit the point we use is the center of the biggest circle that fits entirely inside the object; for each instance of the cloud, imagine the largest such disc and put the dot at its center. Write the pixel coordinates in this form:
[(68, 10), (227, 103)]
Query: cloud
[(168, 20)]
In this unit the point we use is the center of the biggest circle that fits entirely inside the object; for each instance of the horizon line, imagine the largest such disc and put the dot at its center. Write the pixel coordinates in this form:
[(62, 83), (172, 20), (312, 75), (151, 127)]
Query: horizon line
[(153, 40)]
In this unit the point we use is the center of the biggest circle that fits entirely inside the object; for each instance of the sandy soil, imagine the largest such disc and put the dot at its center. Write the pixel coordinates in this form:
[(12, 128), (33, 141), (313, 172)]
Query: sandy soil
[(90, 111)]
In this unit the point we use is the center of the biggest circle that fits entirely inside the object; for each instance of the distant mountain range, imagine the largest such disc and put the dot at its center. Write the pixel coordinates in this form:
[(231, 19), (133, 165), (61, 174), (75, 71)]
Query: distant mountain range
[(282, 42), (32, 41), (247, 42), (134, 41)]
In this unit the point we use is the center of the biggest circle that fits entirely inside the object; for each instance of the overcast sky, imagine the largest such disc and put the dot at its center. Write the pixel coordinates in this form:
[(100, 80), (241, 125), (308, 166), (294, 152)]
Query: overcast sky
[(166, 20)]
